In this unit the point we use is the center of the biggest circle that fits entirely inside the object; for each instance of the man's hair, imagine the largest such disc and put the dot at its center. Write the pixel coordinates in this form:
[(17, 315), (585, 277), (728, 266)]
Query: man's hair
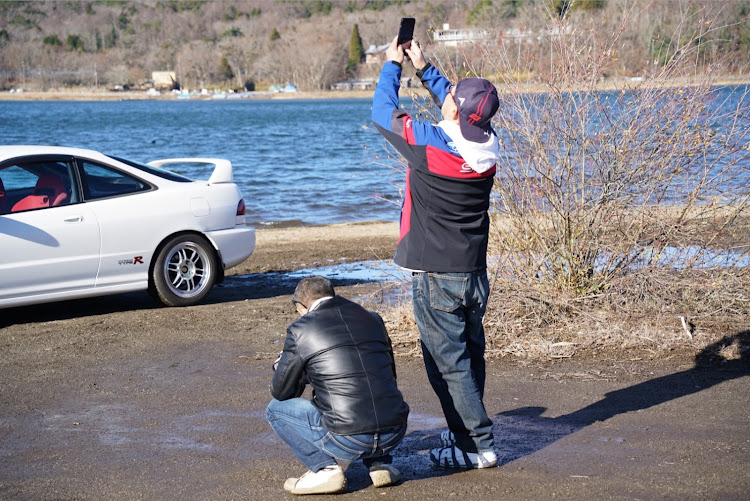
[(310, 289)]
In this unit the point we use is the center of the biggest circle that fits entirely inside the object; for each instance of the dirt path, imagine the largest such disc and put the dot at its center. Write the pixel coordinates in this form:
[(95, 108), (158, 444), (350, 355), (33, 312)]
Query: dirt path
[(114, 398)]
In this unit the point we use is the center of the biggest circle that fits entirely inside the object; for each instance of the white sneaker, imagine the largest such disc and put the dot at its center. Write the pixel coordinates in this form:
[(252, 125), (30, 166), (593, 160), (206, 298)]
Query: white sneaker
[(329, 480), (453, 457), (383, 475)]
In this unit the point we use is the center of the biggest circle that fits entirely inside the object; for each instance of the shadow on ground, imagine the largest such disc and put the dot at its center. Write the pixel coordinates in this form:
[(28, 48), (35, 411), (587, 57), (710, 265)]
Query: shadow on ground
[(522, 432)]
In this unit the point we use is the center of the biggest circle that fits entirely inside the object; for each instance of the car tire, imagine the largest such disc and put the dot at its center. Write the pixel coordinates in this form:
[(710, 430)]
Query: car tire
[(184, 272)]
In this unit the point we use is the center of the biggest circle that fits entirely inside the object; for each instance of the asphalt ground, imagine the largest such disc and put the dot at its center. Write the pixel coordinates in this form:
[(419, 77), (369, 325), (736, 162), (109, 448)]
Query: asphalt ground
[(113, 398)]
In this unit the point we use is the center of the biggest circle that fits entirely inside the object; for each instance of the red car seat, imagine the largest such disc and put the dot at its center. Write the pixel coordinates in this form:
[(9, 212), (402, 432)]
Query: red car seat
[(3, 199), (48, 192)]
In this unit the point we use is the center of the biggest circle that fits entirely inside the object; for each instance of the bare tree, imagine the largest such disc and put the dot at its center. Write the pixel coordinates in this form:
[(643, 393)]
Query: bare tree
[(149, 35), (197, 64), (240, 53)]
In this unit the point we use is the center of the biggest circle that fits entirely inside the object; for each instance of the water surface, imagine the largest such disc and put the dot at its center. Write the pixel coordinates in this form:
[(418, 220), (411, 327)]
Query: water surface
[(296, 161)]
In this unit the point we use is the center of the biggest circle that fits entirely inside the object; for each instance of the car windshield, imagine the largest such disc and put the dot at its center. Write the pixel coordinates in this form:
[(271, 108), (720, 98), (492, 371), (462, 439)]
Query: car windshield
[(156, 171)]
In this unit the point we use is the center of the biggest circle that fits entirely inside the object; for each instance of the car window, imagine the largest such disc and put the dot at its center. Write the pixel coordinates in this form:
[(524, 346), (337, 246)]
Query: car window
[(36, 185), (100, 181)]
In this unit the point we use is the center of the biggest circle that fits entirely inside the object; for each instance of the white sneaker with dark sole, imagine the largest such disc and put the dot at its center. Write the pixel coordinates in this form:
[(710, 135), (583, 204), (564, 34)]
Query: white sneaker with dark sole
[(454, 458), (329, 480)]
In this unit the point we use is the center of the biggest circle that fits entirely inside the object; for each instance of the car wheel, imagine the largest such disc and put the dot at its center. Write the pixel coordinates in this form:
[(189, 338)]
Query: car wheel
[(184, 272)]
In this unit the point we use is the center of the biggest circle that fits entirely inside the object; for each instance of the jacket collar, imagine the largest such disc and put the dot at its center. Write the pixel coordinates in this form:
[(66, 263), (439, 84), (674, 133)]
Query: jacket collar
[(318, 302)]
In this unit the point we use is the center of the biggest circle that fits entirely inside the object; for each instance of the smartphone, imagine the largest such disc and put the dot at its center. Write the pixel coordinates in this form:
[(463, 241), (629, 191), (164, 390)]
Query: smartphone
[(405, 30)]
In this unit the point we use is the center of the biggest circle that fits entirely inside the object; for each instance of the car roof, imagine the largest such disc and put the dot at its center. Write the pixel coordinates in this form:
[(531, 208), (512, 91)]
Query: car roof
[(13, 151)]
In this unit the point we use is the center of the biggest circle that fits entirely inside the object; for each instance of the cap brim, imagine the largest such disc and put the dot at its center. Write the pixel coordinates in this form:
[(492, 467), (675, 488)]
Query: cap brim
[(475, 134)]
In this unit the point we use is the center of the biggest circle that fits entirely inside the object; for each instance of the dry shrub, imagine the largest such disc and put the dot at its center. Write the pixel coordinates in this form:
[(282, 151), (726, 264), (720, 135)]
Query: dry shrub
[(649, 313), (616, 212), (402, 329), (643, 315)]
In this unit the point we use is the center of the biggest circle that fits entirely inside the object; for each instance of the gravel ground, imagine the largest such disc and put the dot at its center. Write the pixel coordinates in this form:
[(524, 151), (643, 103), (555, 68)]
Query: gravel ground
[(116, 398)]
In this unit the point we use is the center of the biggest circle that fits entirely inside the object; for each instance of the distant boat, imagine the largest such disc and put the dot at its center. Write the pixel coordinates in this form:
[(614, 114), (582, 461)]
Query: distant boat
[(287, 88), (184, 94), (245, 95)]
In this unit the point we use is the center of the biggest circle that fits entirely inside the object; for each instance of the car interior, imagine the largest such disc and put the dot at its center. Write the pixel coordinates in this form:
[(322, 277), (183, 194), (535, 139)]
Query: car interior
[(3, 199), (49, 191), (36, 185)]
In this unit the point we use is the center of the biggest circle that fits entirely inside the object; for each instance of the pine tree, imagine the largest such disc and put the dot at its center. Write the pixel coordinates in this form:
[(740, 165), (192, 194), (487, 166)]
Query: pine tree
[(356, 52)]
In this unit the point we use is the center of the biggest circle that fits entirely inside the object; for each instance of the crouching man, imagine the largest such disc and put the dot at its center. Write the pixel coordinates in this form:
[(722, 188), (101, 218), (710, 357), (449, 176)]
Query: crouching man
[(357, 412)]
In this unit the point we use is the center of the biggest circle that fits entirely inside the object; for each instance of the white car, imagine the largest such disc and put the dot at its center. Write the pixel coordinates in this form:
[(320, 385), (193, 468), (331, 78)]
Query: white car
[(77, 223)]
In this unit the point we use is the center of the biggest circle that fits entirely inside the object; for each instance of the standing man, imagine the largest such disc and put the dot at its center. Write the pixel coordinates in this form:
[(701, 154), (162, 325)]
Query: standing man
[(357, 412), (443, 240)]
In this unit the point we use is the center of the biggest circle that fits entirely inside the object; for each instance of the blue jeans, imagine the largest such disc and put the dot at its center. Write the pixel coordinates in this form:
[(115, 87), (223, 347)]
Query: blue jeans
[(448, 309), (297, 422)]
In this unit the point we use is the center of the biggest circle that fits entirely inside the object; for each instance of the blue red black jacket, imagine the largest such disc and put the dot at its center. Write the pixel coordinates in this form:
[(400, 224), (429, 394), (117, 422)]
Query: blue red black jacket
[(444, 220)]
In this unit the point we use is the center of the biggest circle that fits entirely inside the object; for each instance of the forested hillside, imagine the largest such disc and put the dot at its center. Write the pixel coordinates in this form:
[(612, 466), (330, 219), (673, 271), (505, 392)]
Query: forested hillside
[(236, 44)]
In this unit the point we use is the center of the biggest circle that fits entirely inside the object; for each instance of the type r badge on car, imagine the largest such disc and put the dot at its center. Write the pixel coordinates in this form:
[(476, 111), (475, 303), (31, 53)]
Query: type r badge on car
[(77, 223)]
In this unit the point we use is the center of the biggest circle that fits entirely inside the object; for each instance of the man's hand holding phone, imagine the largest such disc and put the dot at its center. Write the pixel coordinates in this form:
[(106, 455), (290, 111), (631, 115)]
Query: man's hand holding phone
[(395, 52), (414, 53)]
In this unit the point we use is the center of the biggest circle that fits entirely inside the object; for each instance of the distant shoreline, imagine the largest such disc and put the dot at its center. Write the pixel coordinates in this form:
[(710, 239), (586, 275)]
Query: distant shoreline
[(88, 94), (106, 95)]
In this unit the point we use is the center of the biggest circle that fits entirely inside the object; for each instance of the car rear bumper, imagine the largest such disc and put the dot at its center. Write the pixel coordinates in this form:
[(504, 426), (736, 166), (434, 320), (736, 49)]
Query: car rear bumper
[(235, 245)]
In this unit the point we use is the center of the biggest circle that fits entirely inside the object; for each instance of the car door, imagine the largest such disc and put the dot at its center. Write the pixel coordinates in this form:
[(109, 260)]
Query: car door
[(45, 249), (130, 225)]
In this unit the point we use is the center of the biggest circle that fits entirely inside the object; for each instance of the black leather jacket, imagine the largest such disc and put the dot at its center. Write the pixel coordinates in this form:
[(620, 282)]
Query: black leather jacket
[(347, 356)]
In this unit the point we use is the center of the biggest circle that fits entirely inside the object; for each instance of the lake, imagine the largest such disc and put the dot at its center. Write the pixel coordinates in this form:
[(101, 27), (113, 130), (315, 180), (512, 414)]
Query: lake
[(295, 161)]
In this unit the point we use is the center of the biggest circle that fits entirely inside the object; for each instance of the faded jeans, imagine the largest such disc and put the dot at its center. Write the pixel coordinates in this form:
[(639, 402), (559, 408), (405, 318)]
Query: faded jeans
[(448, 308), (297, 422)]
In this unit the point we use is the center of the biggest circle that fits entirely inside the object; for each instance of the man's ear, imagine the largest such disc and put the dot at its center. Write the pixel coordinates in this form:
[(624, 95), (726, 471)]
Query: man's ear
[(450, 112), (449, 108)]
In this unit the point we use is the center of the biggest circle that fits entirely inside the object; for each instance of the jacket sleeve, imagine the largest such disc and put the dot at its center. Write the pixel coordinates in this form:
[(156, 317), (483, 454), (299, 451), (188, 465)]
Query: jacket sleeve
[(285, 383), (385, 110), (408, 136), (436, 84)]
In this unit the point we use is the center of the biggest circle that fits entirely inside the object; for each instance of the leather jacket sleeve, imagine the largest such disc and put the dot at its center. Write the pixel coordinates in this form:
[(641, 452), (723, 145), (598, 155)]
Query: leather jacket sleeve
[(289, 379)]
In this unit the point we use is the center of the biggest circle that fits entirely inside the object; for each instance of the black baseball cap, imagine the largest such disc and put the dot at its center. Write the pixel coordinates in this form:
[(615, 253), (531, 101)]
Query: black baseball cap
[(477, 103)]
